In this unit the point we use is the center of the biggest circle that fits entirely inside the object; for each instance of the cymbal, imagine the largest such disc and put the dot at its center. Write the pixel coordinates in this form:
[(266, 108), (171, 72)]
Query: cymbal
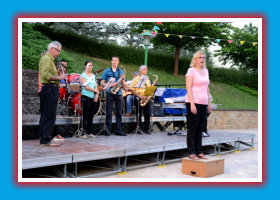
[(98, 71)]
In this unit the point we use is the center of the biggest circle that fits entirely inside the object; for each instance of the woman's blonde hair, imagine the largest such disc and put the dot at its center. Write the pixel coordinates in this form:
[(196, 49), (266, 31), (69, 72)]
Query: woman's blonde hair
[(196, 55)]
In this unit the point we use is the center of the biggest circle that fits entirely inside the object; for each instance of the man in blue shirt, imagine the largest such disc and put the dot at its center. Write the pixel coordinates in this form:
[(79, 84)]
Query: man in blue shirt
[(116, 73)]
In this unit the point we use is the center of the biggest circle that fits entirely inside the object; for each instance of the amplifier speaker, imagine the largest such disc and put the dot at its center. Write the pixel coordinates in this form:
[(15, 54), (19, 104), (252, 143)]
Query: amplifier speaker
[(158, 110)]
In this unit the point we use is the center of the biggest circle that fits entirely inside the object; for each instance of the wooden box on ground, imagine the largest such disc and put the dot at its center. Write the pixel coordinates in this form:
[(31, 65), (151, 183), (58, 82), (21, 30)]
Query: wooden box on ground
[(203, 168)]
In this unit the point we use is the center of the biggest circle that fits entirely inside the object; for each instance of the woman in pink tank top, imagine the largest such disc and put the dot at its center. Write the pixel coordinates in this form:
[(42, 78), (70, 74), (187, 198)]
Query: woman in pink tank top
[(197, 103)]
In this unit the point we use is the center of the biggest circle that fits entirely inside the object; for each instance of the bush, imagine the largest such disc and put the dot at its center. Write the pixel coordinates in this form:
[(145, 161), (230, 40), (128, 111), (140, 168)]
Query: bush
[(33, 44), (92, 47), (232, 76), (95, 48)]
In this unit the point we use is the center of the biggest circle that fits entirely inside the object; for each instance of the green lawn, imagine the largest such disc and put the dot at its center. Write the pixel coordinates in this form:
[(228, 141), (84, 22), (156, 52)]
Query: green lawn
[(229, 96)]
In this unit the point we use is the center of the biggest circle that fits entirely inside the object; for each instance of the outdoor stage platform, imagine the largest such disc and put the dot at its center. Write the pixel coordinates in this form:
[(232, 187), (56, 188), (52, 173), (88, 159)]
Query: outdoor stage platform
[(101, 156), (30, 119)]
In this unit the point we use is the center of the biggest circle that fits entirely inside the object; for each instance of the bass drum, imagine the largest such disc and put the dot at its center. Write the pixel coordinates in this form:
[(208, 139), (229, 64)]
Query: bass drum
[(63, 94), (74, 105)]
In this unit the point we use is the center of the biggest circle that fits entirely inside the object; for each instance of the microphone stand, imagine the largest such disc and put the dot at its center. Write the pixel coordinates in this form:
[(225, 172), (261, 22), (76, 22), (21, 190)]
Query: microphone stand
[(81, 133)]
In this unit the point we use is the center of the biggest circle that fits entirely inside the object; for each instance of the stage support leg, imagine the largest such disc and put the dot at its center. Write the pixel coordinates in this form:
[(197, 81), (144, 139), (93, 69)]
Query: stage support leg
[(238, 145), (215, 149), (124, 164), (157, 158), (252, 147), (119, 163), (62, 173), (76, 169), (218, 153), (163, 158), (65, 171), (249, 145)]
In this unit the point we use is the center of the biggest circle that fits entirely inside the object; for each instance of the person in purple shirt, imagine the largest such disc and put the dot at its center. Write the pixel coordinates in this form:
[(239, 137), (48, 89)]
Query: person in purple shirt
[(64, 64), (197, 103)]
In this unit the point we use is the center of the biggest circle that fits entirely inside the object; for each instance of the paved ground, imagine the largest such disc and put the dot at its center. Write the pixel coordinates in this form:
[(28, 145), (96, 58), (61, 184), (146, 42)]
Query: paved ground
[(237, 165)]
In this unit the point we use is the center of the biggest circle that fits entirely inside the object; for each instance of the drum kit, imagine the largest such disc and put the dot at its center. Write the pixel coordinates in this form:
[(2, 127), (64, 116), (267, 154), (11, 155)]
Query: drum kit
[(70, 97)]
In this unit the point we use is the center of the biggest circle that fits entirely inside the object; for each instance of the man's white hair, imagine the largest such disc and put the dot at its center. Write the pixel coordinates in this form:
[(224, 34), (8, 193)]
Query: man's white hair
[(54, 44), (141, 67)]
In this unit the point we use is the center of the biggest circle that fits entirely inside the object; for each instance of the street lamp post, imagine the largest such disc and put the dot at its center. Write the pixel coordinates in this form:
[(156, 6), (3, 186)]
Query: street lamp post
[(147, 36)]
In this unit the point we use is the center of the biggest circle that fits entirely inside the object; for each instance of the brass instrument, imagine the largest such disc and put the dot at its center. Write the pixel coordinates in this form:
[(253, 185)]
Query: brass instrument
[(61, 67), (119, 85), (148, 98)]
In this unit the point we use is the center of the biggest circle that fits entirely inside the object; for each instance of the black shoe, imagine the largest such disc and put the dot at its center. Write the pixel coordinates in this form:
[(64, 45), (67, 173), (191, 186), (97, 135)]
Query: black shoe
[(148, 132), (107, 133), (121, 134), (205, 134)]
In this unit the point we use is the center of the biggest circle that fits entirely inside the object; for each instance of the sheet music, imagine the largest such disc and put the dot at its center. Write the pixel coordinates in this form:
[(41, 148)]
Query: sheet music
[(141, 82), (160, 91), (150, 91), (110, 82)]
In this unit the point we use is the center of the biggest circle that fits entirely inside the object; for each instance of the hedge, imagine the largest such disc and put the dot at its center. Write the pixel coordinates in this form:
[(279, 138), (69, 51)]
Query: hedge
[(95, 48)]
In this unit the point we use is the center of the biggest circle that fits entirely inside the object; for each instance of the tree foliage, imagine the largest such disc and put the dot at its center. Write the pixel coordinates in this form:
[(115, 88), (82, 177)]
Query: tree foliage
[(123, 31), (106, 32), (198, 29), (245, 56), (97, 30)]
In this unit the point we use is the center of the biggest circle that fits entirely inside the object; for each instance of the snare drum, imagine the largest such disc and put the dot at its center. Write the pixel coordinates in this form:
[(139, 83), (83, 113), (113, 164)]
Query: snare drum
[(74, 82)]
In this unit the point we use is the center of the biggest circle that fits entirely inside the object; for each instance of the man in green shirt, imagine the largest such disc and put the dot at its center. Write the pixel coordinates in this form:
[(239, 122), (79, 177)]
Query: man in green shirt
[(49, 94)]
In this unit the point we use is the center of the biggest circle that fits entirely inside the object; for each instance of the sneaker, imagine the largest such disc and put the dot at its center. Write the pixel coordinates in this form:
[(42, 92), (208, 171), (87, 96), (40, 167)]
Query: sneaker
[(84, 136), (58, 138), (92, 135), (51, 144), (205, 134)]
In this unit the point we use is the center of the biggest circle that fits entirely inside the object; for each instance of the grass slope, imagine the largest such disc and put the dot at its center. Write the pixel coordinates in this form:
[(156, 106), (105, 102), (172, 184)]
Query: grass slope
[(229, 96)]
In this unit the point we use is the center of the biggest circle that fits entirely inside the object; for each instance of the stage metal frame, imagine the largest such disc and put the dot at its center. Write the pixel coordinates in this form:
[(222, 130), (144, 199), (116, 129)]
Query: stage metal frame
[(119, 159), (33, 120)]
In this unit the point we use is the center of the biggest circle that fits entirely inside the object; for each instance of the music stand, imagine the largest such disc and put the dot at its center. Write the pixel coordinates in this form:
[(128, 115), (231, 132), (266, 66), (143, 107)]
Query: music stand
[(104, 128), (149, 91), (140, 84), (138, 128), (81, 133)]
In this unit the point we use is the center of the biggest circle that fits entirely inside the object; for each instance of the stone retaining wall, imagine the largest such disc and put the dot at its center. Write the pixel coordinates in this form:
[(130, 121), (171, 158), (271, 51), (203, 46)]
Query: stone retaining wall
[(30, 98), (233, 119), (227, 119)]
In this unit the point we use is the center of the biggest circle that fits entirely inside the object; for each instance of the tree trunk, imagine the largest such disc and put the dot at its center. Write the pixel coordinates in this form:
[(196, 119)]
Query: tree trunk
[(176, 63)]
